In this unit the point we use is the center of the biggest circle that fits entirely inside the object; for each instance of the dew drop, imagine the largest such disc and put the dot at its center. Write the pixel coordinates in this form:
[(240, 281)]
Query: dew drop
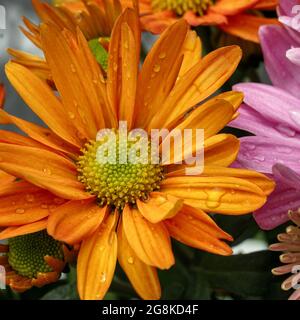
[(214, 198), (259, 158), (47, 171), (126, 45), (295, 116), (29, 197), (71, 115), (130, 260), (73, 69), (286, 130), (156, 68), (20, 210), (44, 206), (102, 277), (284, 149), (162, 55), (250, 146)]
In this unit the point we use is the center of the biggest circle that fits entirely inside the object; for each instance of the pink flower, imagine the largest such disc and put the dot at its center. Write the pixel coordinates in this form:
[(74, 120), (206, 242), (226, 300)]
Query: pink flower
[(272, 114)]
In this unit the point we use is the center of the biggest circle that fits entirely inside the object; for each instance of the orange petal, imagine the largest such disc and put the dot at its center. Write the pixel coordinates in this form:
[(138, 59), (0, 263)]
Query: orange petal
[(96, 87), (143, 277), (75, 220), (262, 181), (12, 232), (129, 72), (114, 72), (40, 134), (159, 207), (235, 98), (219, 194), (69, 67), (220, 111), (151, 242), (266, 5), (40, 98), (230, 7), (197, 84), (23, 208), (36, 64), (5, 178), (160, 71), (221, 150), (44, 169), (15, 187), (210, 18), (195, 228), (97, 261), (192, 50), (17, 139), (246, 26)]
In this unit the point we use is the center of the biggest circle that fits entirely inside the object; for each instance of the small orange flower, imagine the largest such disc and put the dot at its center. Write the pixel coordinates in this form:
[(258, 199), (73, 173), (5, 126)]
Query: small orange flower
[(240, 18), (32, 260), (94, 19), (125, 212)]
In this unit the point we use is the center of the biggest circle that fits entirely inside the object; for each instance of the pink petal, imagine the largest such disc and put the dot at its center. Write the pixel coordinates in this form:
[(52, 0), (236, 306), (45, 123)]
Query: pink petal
[(282, 71), (268, 111), (275, 211), (261, 153)]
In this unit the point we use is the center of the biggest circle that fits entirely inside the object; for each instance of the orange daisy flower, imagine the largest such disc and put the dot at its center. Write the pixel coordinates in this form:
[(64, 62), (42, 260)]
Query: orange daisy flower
[(125, 212), (94, 19), (239, 18), (32, 260)]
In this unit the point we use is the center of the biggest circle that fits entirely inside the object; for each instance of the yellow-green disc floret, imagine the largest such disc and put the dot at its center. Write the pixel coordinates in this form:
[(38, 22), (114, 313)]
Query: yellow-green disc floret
[(117, 183), (26, 253)]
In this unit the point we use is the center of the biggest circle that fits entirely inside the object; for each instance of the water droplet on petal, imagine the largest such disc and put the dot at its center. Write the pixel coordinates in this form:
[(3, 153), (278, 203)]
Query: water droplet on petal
[(162, 55), (29, 197), (214, 198), (44, 206), (259, 158), (130, 260), (286, 130), (20, 210), (73, 69), (71, 115), (102, 277), (295, 116), (156, 68), (250, 146), (47, 171), (284, 149)]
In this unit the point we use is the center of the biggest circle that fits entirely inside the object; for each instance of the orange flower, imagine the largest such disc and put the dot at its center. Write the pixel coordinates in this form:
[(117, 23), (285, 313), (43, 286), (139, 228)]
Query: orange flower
[(94, 19), (124, 212), (239, 18), (33, 260)]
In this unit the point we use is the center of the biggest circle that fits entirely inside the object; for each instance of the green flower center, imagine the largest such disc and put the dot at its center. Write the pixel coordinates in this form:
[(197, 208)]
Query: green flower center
[(26, 253), (113, 178), (182, 6)]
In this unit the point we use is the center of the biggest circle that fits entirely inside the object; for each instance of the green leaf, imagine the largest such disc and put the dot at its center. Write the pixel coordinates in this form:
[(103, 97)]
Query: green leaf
[(245, 276)]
